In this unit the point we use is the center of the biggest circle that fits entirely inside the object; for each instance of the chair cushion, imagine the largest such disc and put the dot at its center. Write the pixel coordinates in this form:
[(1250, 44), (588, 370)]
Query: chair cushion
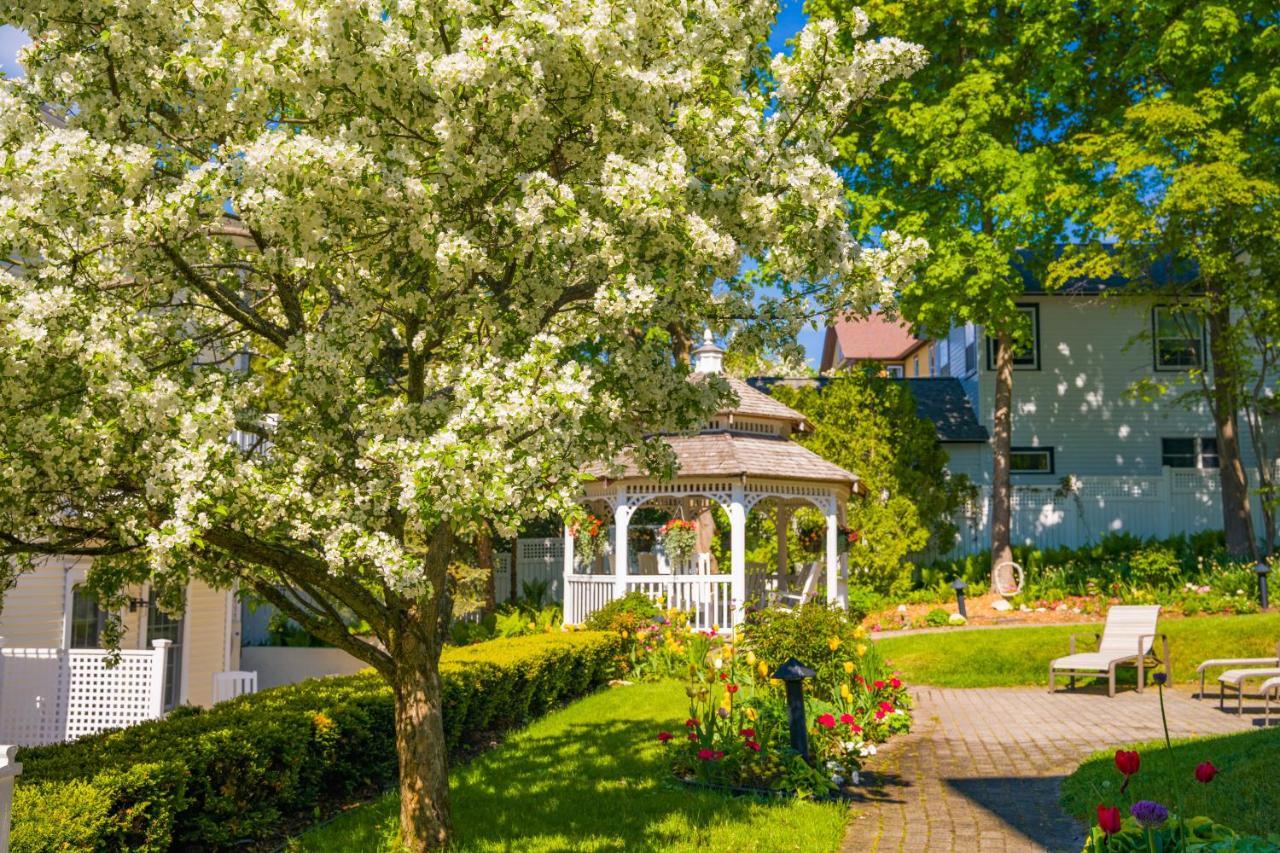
[(1092, 661), (1236, 677)]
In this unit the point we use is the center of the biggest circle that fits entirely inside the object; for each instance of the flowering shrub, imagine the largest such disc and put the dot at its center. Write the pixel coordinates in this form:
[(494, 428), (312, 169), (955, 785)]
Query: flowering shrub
[(737, 732), (589, 538), (679, 539)]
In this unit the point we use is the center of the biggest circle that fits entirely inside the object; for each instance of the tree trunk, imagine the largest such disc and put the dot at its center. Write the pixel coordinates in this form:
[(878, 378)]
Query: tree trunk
[(424, 766), (484, 557), (1001, 439), (1237, 517)]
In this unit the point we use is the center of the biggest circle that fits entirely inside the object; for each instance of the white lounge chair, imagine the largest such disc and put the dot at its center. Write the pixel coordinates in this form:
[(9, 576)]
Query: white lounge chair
[(1232, 663), (1127, 639), (794, 600), (1270, 690)]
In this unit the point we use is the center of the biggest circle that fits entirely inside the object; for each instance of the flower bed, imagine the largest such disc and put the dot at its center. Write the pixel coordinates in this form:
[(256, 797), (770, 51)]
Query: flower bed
[(737, 734)]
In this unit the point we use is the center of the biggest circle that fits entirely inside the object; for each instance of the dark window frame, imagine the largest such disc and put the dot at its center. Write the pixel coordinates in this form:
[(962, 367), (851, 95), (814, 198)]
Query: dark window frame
[(1034, 363), (1155, 343), (1199, 452), (1048, 453)]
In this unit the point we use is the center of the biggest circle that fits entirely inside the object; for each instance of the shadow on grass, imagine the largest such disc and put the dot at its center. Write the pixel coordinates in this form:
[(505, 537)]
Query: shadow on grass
[(1027, 805)]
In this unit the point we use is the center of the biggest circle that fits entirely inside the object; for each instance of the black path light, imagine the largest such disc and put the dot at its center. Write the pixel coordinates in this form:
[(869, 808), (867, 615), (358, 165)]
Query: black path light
[(793, 673), (959, 586), (1262, 570)]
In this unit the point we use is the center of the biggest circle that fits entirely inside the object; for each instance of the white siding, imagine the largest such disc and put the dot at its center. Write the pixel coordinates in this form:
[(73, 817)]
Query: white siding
[(33, 609), (1090, 354), (206, 640)]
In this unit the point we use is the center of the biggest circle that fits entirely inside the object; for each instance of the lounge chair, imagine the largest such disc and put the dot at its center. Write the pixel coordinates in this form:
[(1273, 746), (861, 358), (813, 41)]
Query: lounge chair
[(1265, 663), (1270, 689), (1127, 639), (794, 600)]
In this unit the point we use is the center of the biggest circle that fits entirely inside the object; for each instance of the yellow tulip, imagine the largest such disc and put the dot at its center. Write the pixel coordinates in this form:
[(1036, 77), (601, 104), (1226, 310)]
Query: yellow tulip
[(624, 634), (751, 658), (763, 669), (775, 682), (845, 693), (860, 632), (751, 714), (862, 649), (848, 666), (833, 643)]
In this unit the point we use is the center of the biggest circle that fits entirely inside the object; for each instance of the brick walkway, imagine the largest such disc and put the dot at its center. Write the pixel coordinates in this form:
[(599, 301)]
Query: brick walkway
[(982, 769)]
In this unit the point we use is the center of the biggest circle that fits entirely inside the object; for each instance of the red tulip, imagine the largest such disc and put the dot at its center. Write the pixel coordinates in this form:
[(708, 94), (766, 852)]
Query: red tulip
[(753, 746), (731, 687), (705, 754), (664, 736), (895, 683), (827, 721), (690, 723), (1205, 772), (1109, 819), (847, 719), (747, 732), (879, 685), (855, 728), (693, 736), (887, 707), (717, 755), (1127, 762), (880, 714)]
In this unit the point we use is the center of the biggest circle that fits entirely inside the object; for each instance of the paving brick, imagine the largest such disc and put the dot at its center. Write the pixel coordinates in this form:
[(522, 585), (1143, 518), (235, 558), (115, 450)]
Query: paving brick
[(981, 772)]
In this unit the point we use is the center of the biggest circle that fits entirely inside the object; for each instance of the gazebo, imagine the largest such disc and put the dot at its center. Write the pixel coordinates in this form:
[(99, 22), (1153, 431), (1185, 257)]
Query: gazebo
[(742, 460)]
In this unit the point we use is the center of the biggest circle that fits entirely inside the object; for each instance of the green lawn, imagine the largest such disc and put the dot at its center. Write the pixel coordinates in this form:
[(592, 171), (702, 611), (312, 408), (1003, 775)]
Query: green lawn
[(592, 777), (1020, 656), (1243, 796)]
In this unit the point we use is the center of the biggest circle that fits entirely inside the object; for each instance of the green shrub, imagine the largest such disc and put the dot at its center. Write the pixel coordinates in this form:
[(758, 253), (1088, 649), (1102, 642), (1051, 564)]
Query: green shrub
[(1156, 566), (624, 613), (863, 601), (242, 770), (937, 618)]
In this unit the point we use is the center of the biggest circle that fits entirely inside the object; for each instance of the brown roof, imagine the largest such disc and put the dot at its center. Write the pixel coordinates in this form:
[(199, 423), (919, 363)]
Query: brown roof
[(753, 403), (875, 337), (722, 454)]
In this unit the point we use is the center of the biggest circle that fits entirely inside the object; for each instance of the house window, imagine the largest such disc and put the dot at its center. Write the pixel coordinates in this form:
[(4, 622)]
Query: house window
[(1026, 357), (893, 371), (1189, 452), (87, 620), (162, 626), (1031, 460), (1177, 338)]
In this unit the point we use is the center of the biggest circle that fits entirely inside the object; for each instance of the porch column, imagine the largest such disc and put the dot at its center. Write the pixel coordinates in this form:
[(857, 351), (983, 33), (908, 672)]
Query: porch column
[(833, 557), (738, 552), (621, 520), (782, 521), (570, 611)]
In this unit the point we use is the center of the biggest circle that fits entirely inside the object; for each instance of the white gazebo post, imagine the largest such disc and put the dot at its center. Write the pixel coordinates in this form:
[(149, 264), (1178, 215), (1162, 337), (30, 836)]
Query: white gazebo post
[(833, 557), (570, 611), (782, 521), (738, 551), (621, 520), (9, 771)]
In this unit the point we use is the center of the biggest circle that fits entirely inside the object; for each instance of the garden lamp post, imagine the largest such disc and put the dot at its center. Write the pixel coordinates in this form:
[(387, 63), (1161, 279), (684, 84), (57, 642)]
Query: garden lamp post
[(793, 673), (1262, 569), (959, 586)]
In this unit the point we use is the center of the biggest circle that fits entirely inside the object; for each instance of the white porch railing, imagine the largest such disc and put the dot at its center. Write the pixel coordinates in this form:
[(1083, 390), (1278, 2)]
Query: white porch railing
[(236, 682), (586, 594), (9, 771), (54, 695), (708, 599)]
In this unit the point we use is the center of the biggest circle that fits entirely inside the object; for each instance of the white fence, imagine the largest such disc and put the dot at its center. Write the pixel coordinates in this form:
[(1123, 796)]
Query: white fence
[(708, 599), (1157, 506), (54, 695), (9, 771)]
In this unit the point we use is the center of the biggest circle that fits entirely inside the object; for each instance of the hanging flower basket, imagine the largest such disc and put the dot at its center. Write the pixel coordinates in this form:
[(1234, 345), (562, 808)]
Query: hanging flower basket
[(813, 540), (679, 539), (589, 538)]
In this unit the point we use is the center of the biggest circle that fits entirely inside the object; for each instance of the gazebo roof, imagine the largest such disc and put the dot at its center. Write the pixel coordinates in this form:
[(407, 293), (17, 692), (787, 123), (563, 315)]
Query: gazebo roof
[(753, 403), (725, 454)]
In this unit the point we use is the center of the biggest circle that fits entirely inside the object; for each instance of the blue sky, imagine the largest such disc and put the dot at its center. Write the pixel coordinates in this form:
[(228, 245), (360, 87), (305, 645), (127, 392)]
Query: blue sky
[(791, 18)]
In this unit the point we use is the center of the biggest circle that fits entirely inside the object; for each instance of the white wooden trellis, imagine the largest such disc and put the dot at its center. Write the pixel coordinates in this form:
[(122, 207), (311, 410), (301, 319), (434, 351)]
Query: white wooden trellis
[(54, 695)]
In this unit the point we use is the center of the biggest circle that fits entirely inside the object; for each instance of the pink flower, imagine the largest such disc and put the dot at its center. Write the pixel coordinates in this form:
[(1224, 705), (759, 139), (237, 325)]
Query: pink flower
[(847, 719), (753, 746), (880, 714), (665, 736), (879, 685), (887, 707), (705, 754), (827, 721), (855, 728), (895, 683)]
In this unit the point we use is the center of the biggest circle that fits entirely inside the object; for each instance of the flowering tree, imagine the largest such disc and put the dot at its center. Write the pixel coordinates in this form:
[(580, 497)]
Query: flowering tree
[(422, 260)]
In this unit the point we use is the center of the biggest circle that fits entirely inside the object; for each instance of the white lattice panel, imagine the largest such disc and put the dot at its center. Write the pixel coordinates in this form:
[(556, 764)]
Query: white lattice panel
[(541, 560), (52, 695)]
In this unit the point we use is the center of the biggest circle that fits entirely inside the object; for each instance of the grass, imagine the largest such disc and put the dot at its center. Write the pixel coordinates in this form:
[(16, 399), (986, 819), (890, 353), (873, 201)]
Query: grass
[(592, 777), (1243, 795), (1020, 656)]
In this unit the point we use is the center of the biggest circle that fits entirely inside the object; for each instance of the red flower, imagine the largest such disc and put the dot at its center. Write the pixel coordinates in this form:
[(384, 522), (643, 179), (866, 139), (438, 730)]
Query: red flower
[(705, 754), (665, 736), (724, 676), (1205, 772), (753, 746), (887, 707), (690, 723), (1109, 819), (747, 732), (855, 728), (1127, 762), (858, 678), (731, 687), (879, 685), (880, 714), (895, 683), (717, 755), (827, 721), (693, 736), (847, 719)]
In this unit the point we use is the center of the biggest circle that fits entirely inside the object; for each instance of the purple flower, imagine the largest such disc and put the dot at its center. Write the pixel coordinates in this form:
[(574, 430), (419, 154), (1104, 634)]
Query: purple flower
[(1148, 813), (1160, 677)]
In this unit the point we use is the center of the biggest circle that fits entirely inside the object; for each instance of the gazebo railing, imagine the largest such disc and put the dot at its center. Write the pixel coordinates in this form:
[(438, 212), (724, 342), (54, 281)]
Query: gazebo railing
[(585, 594), (708, 599)]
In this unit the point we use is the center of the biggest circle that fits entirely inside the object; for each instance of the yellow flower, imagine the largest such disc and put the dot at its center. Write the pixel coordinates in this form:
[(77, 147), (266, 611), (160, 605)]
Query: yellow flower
[(775, 682), (751, 658), (862, 649), (751, 714), (624, 633), (845, 693), (763, 669), (848, 666), (860, 632), (833, 643), (715, 629)]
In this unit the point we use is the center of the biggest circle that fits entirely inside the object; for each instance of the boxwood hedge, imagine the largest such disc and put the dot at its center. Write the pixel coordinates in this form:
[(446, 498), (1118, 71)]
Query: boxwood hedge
[(247, 770)]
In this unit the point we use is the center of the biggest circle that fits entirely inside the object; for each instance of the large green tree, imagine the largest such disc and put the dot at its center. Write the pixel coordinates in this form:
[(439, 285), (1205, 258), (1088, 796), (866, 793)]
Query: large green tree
[(1186, 170), (968, 152), (423, 256)]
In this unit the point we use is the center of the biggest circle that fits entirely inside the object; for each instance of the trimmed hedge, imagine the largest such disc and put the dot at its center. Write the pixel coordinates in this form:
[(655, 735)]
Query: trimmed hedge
[(248, 768)]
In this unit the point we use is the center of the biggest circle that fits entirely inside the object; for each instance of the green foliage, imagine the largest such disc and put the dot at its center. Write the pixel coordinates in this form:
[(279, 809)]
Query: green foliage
[(244, 768), (626, 613), (1195, 835), (937, 618), (868, 424), (821, 637), (862, 602)]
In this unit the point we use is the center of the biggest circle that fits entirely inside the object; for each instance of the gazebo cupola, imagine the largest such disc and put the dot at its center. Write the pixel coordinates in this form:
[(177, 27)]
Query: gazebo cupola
[(742, 459)]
